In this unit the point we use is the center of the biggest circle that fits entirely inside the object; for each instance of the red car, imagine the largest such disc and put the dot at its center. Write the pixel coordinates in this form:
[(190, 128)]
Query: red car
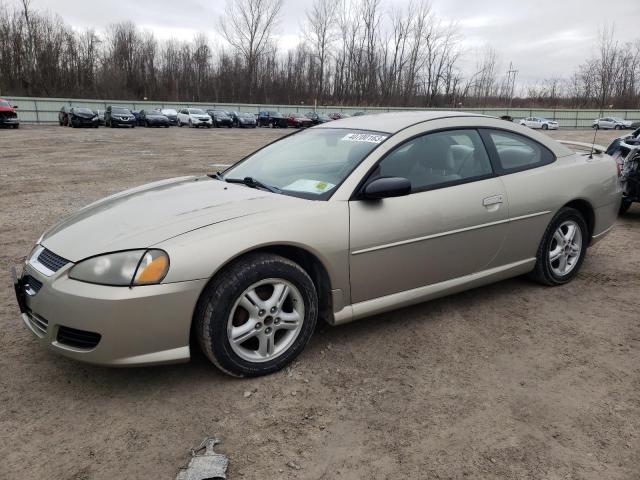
[(298, 120), (8, 115)]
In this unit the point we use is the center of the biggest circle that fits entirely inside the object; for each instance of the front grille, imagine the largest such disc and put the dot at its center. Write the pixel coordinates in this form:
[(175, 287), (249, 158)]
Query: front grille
[(52, 261), (32, 283), (78, 338), (38, 323)]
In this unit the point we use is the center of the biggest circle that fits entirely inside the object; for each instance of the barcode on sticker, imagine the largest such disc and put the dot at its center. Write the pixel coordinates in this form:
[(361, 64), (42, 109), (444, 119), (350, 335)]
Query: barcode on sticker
[(363, 137)]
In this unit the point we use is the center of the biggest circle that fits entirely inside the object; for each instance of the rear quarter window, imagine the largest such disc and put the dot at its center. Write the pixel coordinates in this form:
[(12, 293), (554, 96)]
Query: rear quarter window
[(514, 152)]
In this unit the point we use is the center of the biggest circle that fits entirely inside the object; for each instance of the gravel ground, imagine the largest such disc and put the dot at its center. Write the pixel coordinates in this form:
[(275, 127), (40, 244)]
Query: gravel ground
[(512, 380)]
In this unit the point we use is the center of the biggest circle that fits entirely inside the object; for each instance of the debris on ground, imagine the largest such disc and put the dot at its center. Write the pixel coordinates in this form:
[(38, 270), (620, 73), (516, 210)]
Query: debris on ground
[(205, 464)]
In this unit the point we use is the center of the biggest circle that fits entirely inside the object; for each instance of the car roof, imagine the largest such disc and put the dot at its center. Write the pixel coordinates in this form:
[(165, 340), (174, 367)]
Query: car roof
[(394, 121)]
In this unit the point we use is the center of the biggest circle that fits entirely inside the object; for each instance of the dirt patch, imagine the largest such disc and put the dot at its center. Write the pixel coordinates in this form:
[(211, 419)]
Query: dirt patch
[(512, 380)]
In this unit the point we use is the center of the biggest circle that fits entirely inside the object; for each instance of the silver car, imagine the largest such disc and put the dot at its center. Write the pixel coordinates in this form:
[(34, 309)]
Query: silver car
[(337, 222), (611, 123)]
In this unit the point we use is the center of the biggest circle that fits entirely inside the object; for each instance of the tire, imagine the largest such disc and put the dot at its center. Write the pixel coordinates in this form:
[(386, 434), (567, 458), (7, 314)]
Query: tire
[(624, 206), (190, 124), (17, 126), (220, 299), (546, 271), (617, 127), (545, 127), (596, 126)]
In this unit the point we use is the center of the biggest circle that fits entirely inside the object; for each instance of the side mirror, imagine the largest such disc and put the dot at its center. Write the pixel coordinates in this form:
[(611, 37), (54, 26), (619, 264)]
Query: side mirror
[(387, 187), (15, 107)]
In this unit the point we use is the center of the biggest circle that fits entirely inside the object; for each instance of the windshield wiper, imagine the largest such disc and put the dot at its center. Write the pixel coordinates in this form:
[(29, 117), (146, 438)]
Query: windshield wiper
[(250, 182), (217, 176)]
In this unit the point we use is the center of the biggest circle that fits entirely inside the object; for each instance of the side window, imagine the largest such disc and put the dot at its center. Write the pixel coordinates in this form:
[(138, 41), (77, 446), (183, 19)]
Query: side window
[(438, 159), (516, 152)]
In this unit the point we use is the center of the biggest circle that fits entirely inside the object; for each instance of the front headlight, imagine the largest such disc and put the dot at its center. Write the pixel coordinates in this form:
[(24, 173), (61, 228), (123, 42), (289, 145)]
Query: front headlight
[(133, 267)]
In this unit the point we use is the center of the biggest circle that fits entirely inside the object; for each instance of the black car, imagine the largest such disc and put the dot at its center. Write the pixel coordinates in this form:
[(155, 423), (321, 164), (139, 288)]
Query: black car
[(63, 116), (317, 118), (171, 114), (243, 119), (220, 118), (272, 119), (117, 116), (82, 117), (153, 118)]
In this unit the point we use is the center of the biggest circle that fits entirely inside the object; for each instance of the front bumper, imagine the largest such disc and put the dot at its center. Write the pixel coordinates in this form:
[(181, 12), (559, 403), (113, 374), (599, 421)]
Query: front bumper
[(197, 122), (117, 121), (142, 325), (9, 120)]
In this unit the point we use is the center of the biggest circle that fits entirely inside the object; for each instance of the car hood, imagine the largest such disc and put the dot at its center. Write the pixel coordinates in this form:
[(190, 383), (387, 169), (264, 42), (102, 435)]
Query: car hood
[(88, 116), (147, 215), (7, 109)]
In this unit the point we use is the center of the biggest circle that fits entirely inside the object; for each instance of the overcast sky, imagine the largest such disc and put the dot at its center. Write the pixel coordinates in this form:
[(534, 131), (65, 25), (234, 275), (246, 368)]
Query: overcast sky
[(543, 38)]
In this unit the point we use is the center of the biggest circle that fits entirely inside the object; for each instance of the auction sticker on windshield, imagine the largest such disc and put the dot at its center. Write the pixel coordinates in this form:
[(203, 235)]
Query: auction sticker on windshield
[(363, 137), (310, 186)]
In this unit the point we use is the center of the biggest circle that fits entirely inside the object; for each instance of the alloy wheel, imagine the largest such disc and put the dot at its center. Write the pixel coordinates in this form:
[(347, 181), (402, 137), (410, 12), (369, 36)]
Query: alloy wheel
[(565, 248), (265, 320)]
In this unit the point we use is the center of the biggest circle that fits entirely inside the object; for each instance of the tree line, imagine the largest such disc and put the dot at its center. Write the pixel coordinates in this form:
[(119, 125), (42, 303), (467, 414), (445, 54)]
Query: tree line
[(354, 52)]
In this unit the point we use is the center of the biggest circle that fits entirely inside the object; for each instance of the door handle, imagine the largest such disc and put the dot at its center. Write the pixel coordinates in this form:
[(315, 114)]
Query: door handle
[(493, 200)]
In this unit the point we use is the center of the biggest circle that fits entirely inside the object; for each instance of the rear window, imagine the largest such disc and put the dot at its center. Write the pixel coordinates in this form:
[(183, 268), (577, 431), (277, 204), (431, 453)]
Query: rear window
[(516, 152)]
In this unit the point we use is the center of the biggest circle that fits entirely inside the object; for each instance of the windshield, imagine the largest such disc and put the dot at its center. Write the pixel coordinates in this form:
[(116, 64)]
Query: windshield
[(247, 115), (121, 111), (275, 114), (4, 103), (219, 113), (196, 111), (169, 111), (83, 110), (310, 164)]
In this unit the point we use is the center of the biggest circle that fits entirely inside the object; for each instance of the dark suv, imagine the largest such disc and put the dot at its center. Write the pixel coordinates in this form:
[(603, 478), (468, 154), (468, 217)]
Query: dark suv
[(116, 116), (272, 119)]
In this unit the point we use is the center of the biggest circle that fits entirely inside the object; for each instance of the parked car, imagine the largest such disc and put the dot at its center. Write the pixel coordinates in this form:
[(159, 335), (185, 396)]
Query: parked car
[(119, 116), (298, 120), (63, 116), (136, 115), (272, 119), (220, 118), (153, 118), (82, 117), (243, 119), (611, 123), (626, 151), (194, 117), (338, 115), (8, 115), (329, 223), (100, 114), (171, 114), (539, 122), (317, 118)]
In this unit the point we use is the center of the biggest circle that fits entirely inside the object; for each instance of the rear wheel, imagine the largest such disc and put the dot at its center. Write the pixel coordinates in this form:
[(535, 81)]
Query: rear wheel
[(624, 206), (256, 315), (562, 248), (618, 127), (545, 127)]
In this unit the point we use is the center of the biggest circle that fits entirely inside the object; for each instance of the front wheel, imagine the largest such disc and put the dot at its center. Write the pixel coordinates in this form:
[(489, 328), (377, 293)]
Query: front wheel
[(545, 127), (562, 248), (256, 315)]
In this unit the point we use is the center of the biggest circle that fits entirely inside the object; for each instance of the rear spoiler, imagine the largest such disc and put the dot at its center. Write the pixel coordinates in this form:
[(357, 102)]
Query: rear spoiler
[(585, 146)]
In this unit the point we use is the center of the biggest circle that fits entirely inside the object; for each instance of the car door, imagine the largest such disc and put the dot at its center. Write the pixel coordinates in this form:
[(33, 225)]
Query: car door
[(452, 224), (521, 162), (607, 123)]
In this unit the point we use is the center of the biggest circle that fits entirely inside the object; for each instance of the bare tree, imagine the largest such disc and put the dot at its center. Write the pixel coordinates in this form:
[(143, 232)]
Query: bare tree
[(248, 26), (320, 32)]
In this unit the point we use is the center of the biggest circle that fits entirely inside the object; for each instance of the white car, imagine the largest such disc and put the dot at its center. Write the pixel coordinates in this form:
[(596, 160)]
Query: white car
[(539, 122), (611, 123), (194, 117)]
